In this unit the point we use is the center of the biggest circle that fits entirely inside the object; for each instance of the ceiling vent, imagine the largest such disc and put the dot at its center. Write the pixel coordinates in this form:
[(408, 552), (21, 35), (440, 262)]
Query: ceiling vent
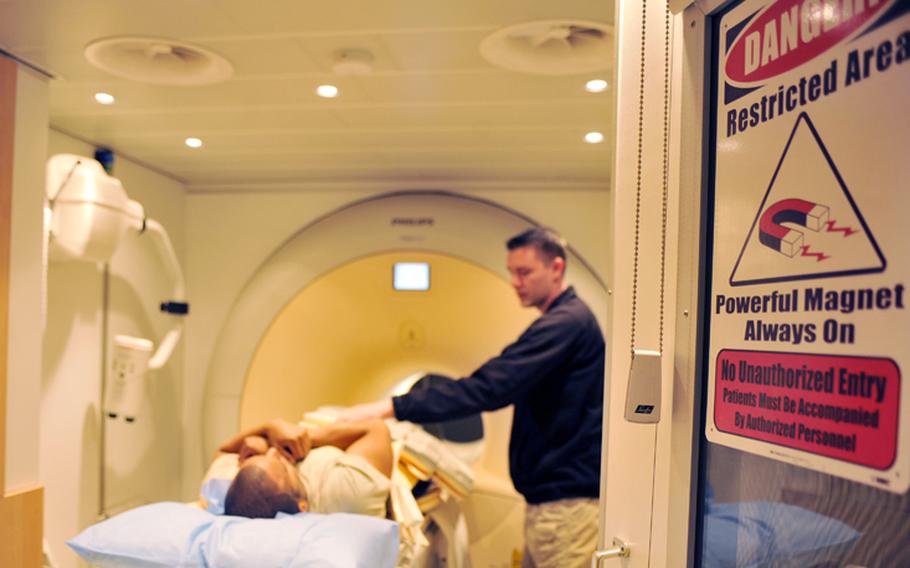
[(551, 47), (158, 61)]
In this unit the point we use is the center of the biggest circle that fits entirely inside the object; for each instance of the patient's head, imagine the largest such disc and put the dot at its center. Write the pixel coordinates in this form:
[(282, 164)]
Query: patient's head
[(264, 486)]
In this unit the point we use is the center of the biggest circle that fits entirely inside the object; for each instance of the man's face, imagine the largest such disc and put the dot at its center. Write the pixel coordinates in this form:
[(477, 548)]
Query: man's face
[(279, 470), (536, 281)]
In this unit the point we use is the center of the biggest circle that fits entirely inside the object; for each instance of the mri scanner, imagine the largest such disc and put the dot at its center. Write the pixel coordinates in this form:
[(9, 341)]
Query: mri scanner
[(319, 323)]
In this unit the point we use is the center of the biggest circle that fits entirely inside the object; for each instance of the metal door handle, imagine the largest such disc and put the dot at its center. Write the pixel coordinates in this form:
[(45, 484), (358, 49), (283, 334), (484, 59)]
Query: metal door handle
[(619, 550)]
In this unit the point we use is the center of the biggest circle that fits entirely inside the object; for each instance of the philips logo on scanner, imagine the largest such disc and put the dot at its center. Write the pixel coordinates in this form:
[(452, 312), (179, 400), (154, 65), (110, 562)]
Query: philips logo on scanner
[(413, 221)]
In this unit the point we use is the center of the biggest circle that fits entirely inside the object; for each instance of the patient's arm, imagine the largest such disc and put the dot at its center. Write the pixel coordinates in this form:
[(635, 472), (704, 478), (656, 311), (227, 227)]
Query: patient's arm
[(368, 439), (252, 446), (291, 440)]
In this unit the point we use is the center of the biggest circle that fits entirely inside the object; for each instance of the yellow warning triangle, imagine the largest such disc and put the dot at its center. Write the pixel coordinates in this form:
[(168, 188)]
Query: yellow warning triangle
[(808, 226)]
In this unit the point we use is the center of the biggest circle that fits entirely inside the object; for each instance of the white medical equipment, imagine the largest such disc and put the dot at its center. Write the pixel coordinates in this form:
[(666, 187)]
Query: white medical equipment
[(129, 365), (87, 214)]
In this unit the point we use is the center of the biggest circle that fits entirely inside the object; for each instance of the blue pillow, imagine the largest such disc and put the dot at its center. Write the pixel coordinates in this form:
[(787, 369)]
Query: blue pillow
[(175, 535), (214, 491), (762, 533)]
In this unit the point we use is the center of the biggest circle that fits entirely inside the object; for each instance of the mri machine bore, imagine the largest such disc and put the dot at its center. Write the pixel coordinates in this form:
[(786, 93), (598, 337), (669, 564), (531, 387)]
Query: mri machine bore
[(320, 323)]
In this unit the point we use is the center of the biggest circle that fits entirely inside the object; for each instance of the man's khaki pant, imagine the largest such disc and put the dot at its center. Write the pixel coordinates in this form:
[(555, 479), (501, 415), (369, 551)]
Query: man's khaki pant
[(560, 534)]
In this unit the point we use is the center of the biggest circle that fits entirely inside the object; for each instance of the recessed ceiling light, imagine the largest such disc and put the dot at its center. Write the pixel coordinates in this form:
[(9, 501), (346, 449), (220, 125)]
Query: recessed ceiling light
[(594, 137), (596, 86), (104, 98), (327, 91), (194, 142)]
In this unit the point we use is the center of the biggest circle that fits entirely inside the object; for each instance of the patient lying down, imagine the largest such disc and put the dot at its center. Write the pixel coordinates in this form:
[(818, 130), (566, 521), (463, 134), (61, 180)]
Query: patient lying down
[(283, 467)]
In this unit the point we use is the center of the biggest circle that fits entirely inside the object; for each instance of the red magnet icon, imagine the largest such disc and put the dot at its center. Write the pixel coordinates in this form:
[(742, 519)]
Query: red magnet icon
[(789, 241)]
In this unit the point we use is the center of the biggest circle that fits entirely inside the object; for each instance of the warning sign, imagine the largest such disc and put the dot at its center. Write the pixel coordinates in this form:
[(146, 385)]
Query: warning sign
[(842, 407), (809, 217), (809, 242)]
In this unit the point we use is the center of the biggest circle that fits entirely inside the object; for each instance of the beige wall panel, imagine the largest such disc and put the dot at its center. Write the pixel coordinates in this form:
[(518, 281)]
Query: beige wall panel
[(21, 518), (7, 120), (25, 286), (21, 512)]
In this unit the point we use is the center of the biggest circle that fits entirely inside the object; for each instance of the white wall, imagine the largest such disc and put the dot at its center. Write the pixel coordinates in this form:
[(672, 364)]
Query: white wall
[(231, 233), (142, 458), (24, 347)]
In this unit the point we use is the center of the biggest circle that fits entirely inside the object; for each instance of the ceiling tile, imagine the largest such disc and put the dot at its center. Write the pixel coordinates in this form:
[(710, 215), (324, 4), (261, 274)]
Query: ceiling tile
[(264, 56)]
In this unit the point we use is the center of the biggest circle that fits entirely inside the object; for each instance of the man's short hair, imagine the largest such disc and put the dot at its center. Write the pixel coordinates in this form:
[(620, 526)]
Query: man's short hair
[(544, 239), (255, 495)]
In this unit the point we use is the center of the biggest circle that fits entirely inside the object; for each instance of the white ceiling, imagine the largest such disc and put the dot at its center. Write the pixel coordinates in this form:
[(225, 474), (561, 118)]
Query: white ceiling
[(433, 110)]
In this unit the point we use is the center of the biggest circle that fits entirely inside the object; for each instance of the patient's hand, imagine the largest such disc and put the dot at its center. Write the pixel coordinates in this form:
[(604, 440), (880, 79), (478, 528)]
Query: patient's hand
[(252, 446), (291, 440)]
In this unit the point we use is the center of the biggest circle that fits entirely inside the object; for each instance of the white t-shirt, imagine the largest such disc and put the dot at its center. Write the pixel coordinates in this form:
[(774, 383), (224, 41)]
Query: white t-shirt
[(335, 482)]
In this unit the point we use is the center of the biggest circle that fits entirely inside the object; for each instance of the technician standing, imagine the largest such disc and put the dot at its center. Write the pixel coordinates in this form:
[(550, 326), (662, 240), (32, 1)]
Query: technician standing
[(554, 375)]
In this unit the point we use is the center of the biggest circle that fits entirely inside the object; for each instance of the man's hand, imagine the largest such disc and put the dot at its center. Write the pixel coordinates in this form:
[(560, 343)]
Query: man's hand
[(252, 446), (368, 411), (291, 440)]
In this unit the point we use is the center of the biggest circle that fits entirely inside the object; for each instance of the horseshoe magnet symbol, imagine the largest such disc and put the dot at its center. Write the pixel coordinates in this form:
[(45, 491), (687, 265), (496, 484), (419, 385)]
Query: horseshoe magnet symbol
[(785, 240)]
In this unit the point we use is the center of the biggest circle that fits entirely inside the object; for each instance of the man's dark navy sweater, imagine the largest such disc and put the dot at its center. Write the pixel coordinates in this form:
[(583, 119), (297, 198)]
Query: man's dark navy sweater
[(554, 375)]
